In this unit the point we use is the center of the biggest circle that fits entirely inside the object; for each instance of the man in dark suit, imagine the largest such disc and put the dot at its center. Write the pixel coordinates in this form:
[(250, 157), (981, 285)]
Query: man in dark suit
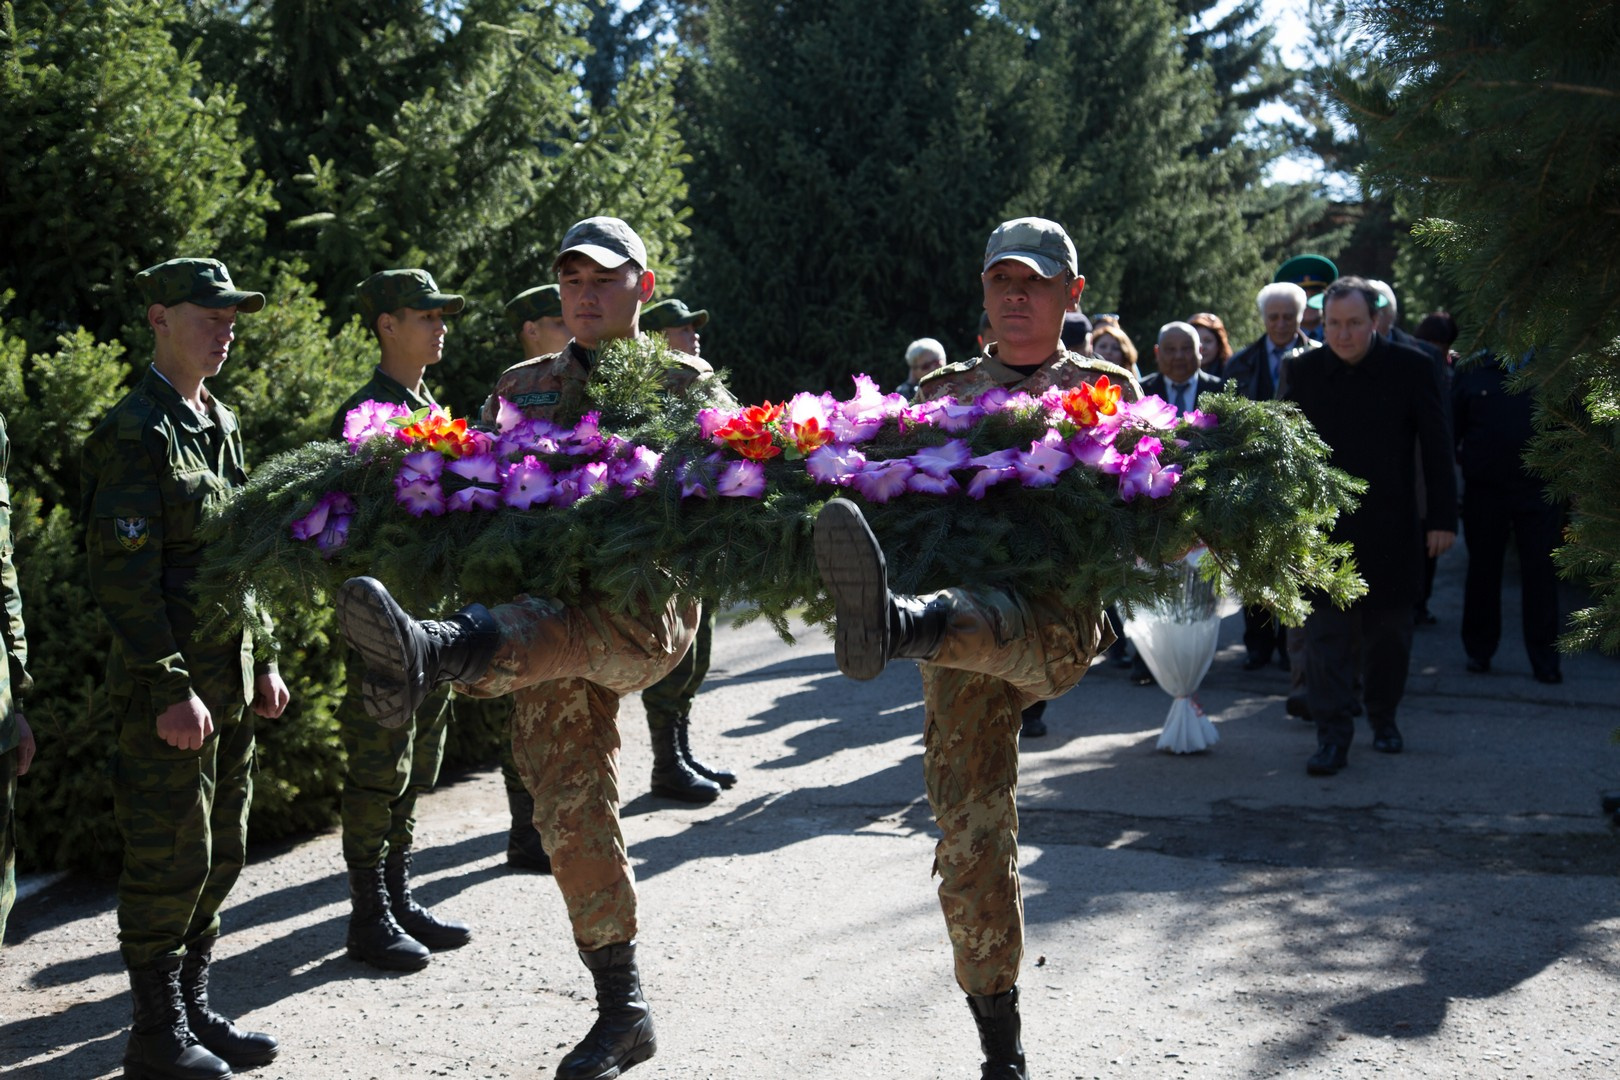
[(1179, 379), (1378, 407), (1257, 371)]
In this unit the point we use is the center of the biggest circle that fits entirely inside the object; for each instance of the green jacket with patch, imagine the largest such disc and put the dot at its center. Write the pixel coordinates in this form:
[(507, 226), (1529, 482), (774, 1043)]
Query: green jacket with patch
[(149, 472)]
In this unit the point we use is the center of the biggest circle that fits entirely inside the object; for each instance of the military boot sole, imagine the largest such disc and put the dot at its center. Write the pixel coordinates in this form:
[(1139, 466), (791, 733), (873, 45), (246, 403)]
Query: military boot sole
[(856, 578), (371, 623)]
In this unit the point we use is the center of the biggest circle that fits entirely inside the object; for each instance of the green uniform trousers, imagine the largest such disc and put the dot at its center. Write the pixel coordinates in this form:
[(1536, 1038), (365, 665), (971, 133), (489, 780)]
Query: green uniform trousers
[(8, 835), (670, 698), (1000, 654), (567, 668), (183, 815), (386, 770)]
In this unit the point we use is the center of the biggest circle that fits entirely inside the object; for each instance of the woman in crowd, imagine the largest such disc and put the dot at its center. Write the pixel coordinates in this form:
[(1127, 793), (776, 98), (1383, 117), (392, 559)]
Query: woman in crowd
[(1113, 344), (1213, 346)]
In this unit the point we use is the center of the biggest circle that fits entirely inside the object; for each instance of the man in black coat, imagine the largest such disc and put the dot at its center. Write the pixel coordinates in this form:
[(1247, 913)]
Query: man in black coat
[(1376, 405), (1179, 379)]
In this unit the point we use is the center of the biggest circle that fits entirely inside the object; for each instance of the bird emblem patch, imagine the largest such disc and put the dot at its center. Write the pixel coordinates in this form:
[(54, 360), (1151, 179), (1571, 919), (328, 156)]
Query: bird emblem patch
[(132, 532)]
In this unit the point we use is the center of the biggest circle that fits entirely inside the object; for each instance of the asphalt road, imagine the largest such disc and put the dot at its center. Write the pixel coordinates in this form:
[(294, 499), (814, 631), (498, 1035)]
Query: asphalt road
[(1450, 912)]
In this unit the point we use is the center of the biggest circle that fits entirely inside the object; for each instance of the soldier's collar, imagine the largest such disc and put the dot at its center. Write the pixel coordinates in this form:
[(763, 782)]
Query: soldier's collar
[(163, 390)]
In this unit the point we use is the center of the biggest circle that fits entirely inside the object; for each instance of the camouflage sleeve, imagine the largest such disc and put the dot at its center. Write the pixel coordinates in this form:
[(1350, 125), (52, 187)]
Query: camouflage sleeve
[(11, 627), (123, 520)]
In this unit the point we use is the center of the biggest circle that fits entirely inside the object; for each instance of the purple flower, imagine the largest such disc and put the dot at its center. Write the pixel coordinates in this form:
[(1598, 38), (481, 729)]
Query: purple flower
[(484, 493), (508, 417), (956, 417), (422, 465), (1042, 464), (634, 472), (1094, 453), (332, 504), (1198, 418), (419, 496), (985, 479), (998, 459), (369, 419), (924, 484), (834, 464), (697, 476), (742, 480), (528, 483), (881, 481), (334, 536), (530, 437), (1143, 475), (940, 460), (1153, 411), (586, 438), (711, 421)]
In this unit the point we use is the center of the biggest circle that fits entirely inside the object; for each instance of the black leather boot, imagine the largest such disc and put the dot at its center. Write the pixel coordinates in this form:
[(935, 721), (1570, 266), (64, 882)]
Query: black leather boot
[(416, 920), (241, 1049), (406, 658), (623, 1033), (874, 625), (161, 1044), (683, 742), (672, 777), (374, 936), (999, 1026), (524, 848)]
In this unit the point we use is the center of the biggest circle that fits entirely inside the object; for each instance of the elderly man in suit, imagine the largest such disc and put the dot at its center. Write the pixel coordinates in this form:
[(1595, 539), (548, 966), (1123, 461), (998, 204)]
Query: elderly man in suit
[(1179, 379)]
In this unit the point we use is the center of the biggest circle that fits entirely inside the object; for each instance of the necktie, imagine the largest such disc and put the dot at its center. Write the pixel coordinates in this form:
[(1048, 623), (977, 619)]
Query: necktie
[(1178, 392)]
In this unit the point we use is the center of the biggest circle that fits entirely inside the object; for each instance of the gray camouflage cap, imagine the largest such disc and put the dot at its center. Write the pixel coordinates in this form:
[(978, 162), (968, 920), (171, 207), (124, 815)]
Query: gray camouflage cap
[(542, 303), (204, 282), (1036, 242), (390, 290), (606, 241)]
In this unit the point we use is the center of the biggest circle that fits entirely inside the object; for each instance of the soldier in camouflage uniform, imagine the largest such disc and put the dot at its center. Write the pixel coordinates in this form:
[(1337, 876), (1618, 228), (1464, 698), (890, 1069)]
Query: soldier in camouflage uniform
[(16, 741), (182, 777), (567, 666), (986, 653), (388, 768)]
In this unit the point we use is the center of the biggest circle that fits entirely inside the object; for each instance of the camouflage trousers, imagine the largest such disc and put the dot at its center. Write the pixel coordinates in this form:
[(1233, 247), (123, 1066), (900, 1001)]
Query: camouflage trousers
[(8, 835), (670, 698), (183, 816), (1000, 654), (386, 770), (567, 668)]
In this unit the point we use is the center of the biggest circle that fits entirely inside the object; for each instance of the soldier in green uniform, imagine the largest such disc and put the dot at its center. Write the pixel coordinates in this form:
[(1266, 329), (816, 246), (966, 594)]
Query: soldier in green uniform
[(182, 777), (567, 667), (16, 741), (669, 701), (388, 768), (986, 653)]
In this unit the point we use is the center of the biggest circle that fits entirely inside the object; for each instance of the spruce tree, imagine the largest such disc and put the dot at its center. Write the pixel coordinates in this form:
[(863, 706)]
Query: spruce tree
[(1498, 121)]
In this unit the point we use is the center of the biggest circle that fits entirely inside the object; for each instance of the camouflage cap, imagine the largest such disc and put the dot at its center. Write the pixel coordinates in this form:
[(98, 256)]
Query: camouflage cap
[(668, 314), (1038, 243), (390, 290), (544, 302), (204, 282), (1313, 273), (607, 241)]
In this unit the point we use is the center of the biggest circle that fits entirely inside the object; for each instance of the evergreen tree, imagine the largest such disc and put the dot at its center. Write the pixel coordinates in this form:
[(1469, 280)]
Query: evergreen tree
[(1497, 120)]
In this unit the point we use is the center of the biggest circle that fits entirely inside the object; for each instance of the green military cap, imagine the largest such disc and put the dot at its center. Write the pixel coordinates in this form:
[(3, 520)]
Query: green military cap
[(544, 302), (668, 314), (1313, 273), (390, 290), (1036, 242), (606, 241), (204, 282)]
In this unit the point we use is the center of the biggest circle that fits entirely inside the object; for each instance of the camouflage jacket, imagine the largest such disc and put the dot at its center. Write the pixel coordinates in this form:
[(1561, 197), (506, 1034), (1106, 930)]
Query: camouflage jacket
[(14, 678), (381, 387), (971, 378), (148, 472), (553, 387)]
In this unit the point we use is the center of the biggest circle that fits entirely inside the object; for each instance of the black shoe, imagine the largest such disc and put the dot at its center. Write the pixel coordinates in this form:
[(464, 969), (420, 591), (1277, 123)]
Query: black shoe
[(239, 1049), (1298, 707), (524, 848), (1478, 666), (1552, 678), (406, 658), (623, 1033), (161, 1044), (374, 936), (874, 625), (1033, 724), (672, 777), (683, 743), (1387, 740), (999, 1029), (436, 933), (1328, 759), (1254, 663)]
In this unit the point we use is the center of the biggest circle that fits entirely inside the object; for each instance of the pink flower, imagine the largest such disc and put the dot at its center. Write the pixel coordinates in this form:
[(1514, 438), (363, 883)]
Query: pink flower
[(742, 479), (529, 483), (881, 481), (635, 471), (369, 419), (924, 484), (1198, 418), (711, 420), (1098, 454), (940, 460), (420, 496), (834, 464), (1043, 464), (1153, 411)]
